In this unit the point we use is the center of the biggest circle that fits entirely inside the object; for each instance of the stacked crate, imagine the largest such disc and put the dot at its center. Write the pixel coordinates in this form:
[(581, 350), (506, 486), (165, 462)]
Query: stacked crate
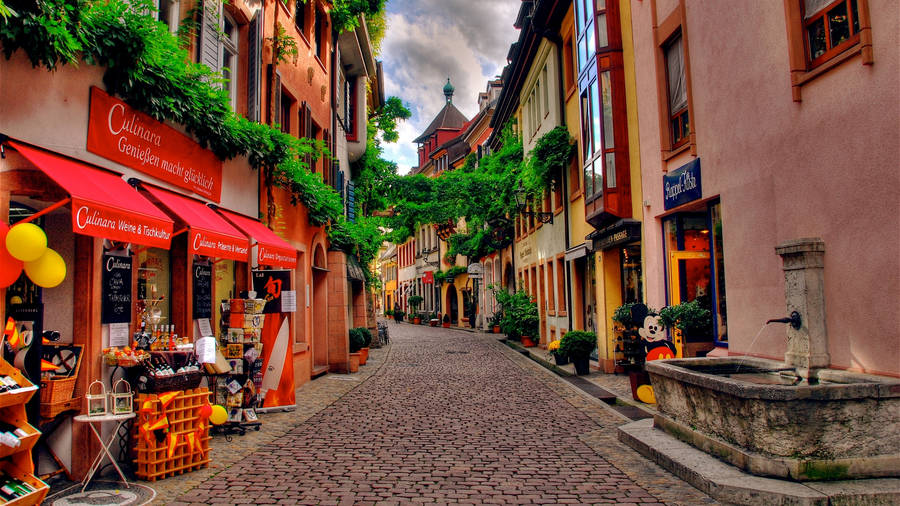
[(151, 458)]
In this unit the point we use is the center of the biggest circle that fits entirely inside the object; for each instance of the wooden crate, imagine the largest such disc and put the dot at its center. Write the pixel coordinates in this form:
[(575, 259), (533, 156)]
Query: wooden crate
[(152, 461)]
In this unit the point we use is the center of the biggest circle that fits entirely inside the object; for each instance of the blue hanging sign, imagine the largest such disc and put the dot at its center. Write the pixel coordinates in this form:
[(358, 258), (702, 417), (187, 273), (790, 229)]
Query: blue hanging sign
[(682, 185)]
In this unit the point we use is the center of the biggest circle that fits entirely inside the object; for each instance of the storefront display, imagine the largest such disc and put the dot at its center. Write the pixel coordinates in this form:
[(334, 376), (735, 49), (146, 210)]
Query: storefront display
[(240, 328), (171, 434), (17, 437)]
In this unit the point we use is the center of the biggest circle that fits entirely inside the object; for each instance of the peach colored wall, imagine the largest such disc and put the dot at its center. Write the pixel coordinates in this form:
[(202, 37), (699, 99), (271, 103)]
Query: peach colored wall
[(825, 167), (295, 73)]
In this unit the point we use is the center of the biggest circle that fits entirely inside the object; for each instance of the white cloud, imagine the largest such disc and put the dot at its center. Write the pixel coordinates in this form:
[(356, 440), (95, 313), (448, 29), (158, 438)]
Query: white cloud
[(428, 41)]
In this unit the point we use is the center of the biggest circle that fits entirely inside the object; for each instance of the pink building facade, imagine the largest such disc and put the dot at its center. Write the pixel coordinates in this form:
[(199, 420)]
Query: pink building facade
[(760, 123)]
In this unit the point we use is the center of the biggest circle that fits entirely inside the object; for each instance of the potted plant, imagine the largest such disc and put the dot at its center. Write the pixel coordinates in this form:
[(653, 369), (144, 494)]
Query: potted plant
[(519, 315), (495, 321), (558, 357), (578, 345), (414, 302), (693, 320), (366, 341), (446, 321), (388, 312), (357, 341)]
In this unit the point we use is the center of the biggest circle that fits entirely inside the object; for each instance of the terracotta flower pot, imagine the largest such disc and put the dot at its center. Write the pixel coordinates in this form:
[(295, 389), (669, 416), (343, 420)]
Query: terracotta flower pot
[(354, 362), (363, 356), (446, 325), (527, 342), (417, 320), (496, 329)]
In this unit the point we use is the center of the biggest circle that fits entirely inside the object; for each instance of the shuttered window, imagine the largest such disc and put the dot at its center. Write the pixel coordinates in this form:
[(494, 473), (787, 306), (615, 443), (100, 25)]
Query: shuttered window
[(253, 66), (208, 47)]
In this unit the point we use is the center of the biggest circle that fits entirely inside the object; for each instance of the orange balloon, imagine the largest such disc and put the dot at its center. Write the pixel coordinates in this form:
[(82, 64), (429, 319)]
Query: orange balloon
[(10, 266)]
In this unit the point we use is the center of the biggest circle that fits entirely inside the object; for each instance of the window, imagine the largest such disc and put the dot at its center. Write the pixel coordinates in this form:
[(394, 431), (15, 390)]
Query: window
[(676, 91), (568, 63), (561, 285), (286, 103), (574, 179), (551, 297), (300, 16), (321, 35), (829, 28), (230, 57), (546, 91), (350, 107), (167, 14), (824, 33)]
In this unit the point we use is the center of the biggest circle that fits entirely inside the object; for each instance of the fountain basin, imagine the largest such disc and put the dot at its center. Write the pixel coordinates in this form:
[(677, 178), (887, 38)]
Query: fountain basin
[(761, 416)]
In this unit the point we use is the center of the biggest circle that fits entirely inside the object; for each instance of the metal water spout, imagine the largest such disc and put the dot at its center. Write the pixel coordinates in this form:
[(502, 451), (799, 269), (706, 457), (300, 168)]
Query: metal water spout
[(804, 293), (794, 320)]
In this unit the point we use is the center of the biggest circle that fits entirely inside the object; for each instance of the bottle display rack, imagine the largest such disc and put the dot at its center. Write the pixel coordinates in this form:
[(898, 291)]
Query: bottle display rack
[(152, 461), (16, 462)]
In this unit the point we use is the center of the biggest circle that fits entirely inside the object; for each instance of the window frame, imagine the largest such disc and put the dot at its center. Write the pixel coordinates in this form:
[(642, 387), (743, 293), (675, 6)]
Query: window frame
[(231, 46), (803, 69), (666, 31), (678, 134)]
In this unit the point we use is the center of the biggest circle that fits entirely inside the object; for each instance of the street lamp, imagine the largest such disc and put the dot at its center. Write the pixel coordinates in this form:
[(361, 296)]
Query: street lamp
[(522, 206)]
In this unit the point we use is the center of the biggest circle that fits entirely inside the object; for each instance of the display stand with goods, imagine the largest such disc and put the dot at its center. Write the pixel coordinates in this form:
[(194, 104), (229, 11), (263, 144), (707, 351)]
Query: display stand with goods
[(171, 435), (18, 484), (238, 388)]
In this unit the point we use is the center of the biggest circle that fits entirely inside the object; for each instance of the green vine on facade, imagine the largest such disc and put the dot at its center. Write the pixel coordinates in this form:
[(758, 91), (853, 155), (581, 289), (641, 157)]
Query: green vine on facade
[(148, 68)]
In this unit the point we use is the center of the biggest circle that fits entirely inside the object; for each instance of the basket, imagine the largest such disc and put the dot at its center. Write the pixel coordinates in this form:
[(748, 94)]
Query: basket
[(181, 381), (59, 389)]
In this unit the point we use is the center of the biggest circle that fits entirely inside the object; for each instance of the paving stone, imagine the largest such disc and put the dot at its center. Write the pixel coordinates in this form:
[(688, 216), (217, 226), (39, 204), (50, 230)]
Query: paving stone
[(440, 416)]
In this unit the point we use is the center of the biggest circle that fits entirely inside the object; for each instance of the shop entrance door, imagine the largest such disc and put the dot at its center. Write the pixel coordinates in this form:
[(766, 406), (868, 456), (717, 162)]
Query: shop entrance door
[(689, 279)]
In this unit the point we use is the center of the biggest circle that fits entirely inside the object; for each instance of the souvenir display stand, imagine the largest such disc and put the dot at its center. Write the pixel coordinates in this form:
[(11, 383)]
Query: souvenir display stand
[(241, 345), (18, 484), (170, 440)]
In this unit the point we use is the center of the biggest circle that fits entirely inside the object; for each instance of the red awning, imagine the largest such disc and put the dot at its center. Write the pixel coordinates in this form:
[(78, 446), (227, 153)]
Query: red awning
[(210, 234), (271, 249), (103, 205)]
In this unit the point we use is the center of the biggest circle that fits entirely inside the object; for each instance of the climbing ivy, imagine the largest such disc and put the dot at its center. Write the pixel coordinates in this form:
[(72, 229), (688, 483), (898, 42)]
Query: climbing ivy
[(148, 68)]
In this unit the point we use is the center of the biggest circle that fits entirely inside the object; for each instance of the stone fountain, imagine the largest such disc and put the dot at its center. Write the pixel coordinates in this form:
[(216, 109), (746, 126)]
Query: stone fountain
[(797, 419)]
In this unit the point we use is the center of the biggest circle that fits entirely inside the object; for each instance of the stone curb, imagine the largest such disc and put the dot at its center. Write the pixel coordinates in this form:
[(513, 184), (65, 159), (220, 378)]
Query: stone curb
[(730, 484)]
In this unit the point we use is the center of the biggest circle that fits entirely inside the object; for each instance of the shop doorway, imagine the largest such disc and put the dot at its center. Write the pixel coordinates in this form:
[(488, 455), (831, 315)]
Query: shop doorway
[(693, 242), (452, 304), (319, 312)]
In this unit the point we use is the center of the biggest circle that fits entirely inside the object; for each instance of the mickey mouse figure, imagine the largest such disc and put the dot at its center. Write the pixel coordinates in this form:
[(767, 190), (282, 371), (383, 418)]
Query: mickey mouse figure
[(656, 344), (653, 334)]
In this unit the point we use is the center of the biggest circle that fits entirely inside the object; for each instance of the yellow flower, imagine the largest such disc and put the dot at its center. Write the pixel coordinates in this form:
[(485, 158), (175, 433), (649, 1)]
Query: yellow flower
[(553, 345)]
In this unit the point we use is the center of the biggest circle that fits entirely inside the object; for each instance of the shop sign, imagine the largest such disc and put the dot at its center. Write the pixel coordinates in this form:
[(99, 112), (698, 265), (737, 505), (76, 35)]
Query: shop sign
[(475, 271), (278, 257), (116, 289), (682, 185), (622, 232), (215, 245), (127, 136), (271, 285), (117, 225), (202, 291), (428, 278)]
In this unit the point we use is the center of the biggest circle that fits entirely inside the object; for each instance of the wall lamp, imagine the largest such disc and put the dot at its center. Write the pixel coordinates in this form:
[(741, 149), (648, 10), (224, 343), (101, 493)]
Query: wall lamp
[(522, 206)]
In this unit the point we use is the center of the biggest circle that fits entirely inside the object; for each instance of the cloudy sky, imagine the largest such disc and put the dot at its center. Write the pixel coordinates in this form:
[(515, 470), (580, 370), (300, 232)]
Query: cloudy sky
[(428, 41)]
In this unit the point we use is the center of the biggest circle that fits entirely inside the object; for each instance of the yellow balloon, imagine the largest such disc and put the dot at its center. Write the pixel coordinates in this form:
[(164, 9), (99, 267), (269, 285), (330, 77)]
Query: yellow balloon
[(47, 271), (645, 394), (218, 416), (26, 242)]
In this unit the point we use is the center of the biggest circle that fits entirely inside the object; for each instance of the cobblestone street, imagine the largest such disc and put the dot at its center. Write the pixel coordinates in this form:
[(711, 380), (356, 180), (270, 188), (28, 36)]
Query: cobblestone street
[(450, 416)]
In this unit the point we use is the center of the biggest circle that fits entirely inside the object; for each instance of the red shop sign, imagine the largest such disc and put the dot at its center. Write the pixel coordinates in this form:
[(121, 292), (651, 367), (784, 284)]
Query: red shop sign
[(127, 136), (428, 278)]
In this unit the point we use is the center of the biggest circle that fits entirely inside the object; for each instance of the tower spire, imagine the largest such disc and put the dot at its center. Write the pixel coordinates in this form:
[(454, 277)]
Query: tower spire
[(448, 91)]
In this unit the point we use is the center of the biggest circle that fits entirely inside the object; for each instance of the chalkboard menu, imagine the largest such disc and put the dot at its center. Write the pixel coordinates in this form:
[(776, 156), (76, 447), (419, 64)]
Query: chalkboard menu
[(202, 291), (116, 292)]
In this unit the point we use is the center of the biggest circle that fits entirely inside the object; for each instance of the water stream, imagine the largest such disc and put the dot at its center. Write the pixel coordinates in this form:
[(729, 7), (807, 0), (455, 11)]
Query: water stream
[(744, 357)]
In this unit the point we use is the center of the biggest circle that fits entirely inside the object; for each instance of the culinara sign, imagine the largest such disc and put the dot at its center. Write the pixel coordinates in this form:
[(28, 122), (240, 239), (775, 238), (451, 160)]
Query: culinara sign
[(124, 135), (682, 185)]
